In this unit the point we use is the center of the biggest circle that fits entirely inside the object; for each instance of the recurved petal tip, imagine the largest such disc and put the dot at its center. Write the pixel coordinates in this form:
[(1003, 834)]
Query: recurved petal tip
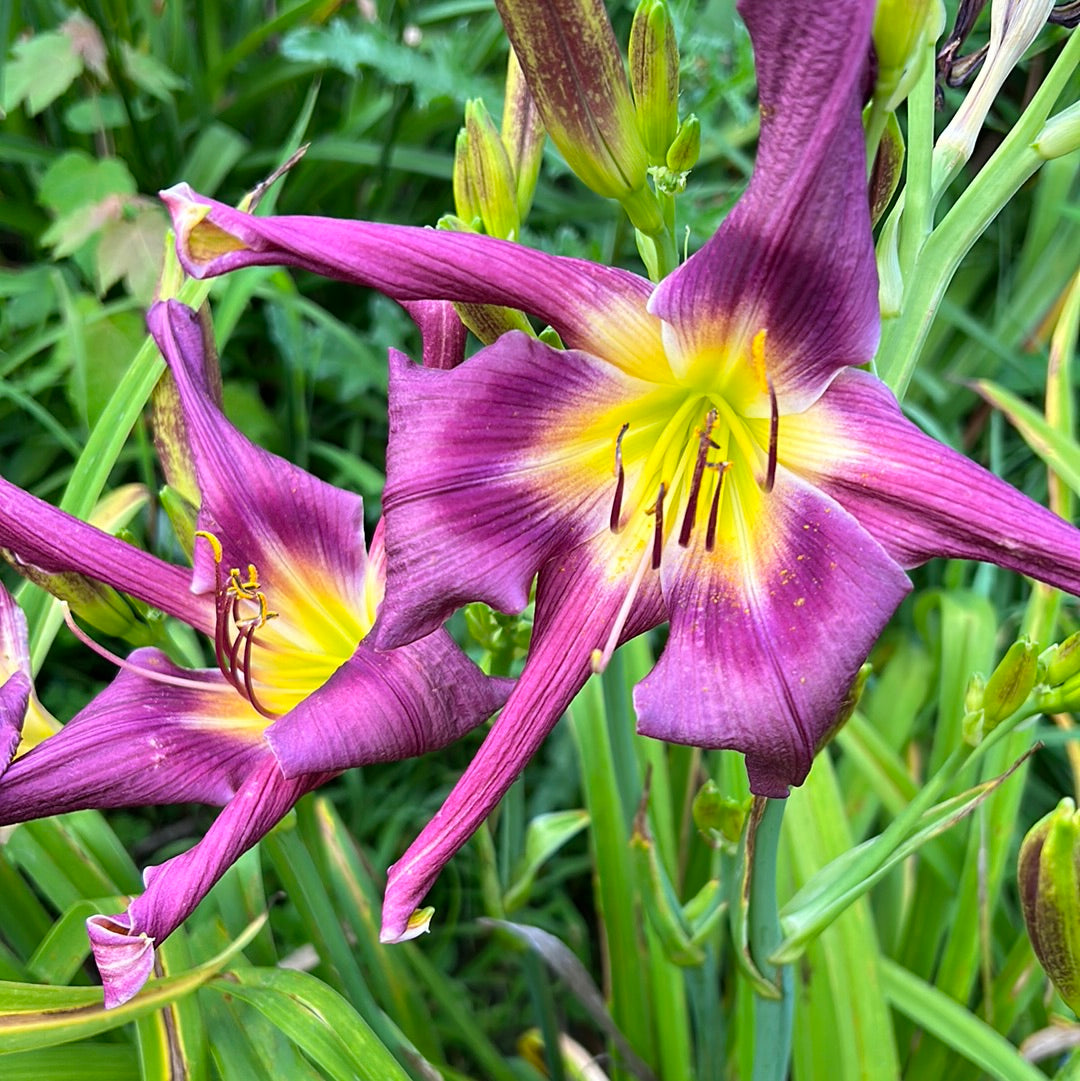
[(395, 929), (124, 957)]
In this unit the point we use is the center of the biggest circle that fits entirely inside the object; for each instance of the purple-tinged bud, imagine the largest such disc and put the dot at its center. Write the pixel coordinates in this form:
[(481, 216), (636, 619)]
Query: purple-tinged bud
[(574, 69), (522, 134), (888, 165), (1048, 874), (654, 77)]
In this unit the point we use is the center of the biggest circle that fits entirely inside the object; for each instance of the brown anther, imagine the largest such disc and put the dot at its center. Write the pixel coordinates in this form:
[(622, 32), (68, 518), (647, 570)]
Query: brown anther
[(658, 528), (774, 433), (620, 481), (704, 443), (714, 509)]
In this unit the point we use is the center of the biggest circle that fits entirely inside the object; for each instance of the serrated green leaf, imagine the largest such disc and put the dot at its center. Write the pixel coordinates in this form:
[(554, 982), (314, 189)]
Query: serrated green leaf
[(133, 248), (40, 70)]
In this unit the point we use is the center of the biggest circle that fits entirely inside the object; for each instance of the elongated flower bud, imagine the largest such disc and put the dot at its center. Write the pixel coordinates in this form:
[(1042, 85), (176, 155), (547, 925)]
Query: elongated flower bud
[(1064, 662), (522, 134), (901, 28), (466, 203), (654, 77), (490, 173), (572, 64), (1048, 873), (684, 151), (1011, 682)]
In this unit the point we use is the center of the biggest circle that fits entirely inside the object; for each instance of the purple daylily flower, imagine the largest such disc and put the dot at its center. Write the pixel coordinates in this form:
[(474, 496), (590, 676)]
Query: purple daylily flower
[(283, 587), (704, 451)]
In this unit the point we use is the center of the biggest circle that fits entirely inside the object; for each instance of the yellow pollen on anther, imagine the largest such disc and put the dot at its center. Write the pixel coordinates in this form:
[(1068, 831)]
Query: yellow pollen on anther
[(757, 359), (215, 544)]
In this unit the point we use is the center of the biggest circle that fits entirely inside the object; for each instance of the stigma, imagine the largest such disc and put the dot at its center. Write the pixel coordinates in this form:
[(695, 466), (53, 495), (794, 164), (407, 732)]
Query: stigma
[(240, 611)]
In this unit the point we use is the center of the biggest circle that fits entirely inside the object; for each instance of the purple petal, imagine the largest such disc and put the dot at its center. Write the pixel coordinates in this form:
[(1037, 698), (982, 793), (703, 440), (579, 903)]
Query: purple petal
[(443, 334), (382, 707), (48, 538), (141, 742), (124, 944), (14, 698), (16, 687), (766, 641), (304, 536), (916, 496), (578, 604), (795, 257), (596, 308), (489, 476)]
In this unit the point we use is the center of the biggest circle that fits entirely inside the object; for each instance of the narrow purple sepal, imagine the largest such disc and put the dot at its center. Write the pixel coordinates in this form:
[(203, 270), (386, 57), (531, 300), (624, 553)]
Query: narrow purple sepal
[(921, 499), (14, 698), (46, 537), (597, 308), (442, 333), (795, 257), (576, 610), (124, 944), (140, 742)]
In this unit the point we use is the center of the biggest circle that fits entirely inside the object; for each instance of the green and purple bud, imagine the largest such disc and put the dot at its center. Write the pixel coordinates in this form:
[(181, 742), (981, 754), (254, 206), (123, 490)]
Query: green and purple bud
[(654, 77), (1048, 874), (573, 67), (522, 134)]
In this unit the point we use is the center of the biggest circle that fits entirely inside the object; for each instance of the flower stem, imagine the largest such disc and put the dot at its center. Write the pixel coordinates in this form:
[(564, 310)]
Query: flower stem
[(772, 1016)]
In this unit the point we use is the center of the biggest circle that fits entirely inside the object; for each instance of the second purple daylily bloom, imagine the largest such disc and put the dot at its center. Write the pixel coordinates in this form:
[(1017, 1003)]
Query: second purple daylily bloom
[(704, 452), (283, 587)]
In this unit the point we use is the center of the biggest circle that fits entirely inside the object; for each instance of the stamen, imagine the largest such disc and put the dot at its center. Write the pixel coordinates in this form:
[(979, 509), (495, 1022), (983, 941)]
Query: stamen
[(599, 659), (658, 529), (620, 480), (774, 433), (695, 481), (127, 666), (714, 510), (248, 635)]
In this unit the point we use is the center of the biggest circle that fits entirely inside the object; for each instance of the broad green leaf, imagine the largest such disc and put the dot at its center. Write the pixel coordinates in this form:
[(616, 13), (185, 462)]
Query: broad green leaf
[(85, 1061), (317, 1019), (63, 951), (149, 74), (954, 1025)]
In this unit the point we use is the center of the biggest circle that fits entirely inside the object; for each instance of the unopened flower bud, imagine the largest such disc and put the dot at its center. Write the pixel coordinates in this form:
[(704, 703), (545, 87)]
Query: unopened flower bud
[(1011, 682), (466, 203), (888, 165), (490, 173), (1048, 874), (1064, 662), (522, 134), (1060, 134), (654, 77), (719, 818), (574, 69), (901, 28), (685, 150)]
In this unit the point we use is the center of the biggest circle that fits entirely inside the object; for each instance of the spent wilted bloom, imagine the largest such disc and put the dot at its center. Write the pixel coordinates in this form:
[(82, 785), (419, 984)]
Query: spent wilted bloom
[(705, 452), (285, 591)]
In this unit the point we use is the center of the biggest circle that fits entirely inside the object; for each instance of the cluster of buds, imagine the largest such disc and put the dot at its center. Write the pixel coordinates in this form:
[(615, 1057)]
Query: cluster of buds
[(902, 31)]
